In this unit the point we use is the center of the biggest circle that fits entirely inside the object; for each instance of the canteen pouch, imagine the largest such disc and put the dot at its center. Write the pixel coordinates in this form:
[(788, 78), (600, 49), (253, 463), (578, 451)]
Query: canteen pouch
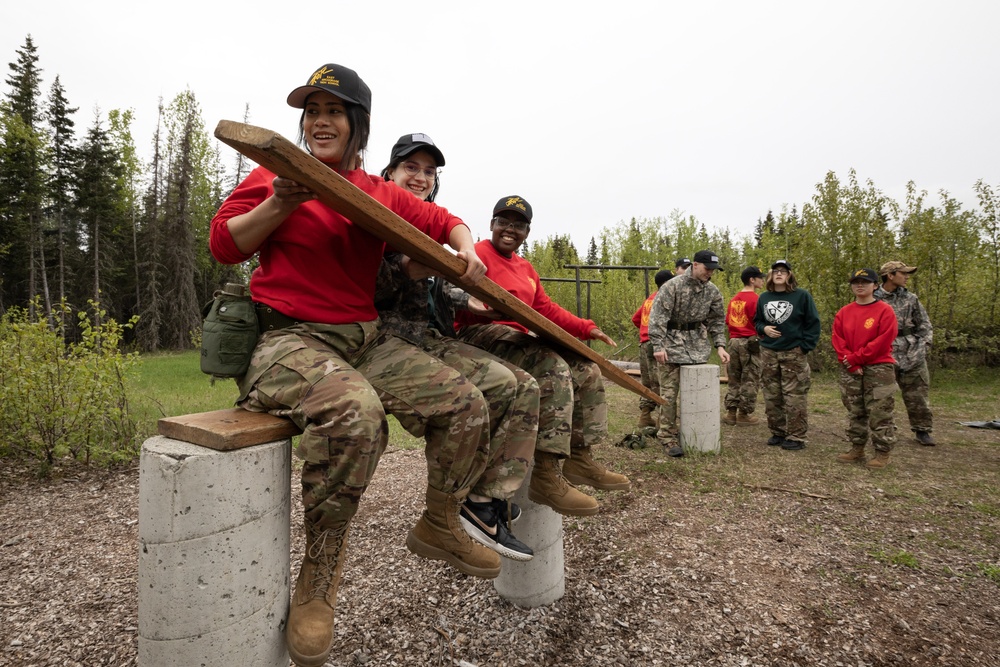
[(753, 345), (229, 332)]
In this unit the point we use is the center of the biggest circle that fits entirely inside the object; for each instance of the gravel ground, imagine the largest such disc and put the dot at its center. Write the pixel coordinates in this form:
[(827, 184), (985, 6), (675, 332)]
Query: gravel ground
[(754, 557)]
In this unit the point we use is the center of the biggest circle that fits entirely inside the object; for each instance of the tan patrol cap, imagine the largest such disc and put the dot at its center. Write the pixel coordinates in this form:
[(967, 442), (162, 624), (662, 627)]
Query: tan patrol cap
[(896, 266)]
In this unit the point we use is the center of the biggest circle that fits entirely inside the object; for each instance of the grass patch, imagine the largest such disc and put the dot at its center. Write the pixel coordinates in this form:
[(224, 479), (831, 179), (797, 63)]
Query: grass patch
[(990, 571), (901, 557)]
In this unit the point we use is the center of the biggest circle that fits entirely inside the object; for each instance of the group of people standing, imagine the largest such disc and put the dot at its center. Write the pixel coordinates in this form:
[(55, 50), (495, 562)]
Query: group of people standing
[(351, 332), (881, 340)]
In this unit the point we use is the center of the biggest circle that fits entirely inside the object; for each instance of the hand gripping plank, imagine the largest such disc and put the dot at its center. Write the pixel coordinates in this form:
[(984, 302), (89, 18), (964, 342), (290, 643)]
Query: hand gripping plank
[(277, 154)]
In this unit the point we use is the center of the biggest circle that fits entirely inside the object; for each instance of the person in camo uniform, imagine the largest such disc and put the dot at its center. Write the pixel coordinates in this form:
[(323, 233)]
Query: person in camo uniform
[(573, 415), (788, 328), (648, 371), (863, 332), (910, 348), (401, 298), (688, 318), (744, 351), (322, 361)]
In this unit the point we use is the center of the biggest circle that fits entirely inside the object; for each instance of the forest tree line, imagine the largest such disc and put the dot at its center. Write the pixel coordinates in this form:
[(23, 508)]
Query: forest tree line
[(84, 217)]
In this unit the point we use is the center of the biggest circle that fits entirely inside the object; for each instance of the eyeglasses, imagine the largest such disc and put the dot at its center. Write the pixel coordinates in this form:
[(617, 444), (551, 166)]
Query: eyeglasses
[(412, 169), (780, 270), (516, 225)]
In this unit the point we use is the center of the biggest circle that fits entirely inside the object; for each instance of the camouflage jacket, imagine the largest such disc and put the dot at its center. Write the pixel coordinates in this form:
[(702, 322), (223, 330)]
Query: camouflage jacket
[(915, 330), (687, 320), (406, 306)]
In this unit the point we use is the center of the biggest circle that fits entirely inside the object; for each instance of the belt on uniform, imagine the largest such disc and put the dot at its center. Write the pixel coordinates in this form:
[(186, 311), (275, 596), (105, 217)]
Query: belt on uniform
[(904, 331), (687, 326), (269, 319)]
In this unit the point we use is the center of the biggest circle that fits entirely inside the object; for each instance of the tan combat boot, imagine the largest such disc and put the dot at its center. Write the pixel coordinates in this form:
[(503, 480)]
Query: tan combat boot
[(309, 633), (549, 487), (730, 417), (439, 535), (646, 417), (743, 419), (880, 460), (581, 468), (857, 453)]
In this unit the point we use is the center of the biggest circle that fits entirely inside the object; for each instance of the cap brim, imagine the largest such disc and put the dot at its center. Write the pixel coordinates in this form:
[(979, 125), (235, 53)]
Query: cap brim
[(297, 98)]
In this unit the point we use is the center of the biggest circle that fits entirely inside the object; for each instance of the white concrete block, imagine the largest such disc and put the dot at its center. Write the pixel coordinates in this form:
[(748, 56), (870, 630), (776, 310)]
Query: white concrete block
[(541, 580), (698, 408)]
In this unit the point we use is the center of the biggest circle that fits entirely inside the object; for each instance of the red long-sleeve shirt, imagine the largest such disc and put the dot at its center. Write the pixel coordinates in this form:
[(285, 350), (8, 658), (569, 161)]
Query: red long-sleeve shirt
[(740, 315), (516, 275), (641, 317), (863, 334), (318, 266)]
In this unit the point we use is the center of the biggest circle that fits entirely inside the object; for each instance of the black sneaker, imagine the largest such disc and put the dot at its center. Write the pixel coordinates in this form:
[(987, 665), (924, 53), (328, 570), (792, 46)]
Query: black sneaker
[(924, 438), (502, 505), (481, 522), (776, 440), (793, 445)]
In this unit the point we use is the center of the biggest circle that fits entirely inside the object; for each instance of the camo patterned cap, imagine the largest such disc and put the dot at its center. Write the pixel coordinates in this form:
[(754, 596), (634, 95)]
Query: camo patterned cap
[(895, 266)]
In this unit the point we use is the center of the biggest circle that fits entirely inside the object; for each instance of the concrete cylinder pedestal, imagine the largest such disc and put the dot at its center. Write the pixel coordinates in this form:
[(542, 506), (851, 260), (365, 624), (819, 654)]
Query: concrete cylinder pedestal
[(698, 408), (541, 580), (213, 554)]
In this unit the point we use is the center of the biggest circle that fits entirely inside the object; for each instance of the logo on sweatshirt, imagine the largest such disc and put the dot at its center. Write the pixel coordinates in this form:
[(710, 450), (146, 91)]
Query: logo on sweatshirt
[(869, 323), (778, 311)]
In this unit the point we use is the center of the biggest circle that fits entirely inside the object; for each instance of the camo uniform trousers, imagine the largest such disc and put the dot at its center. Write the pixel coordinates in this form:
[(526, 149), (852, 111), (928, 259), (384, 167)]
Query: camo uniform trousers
[(336, 382), (870, 399), (512, 395), (915, 384), (649, 374), (572, 411), (670, 384), (744, 375), (785, 381)]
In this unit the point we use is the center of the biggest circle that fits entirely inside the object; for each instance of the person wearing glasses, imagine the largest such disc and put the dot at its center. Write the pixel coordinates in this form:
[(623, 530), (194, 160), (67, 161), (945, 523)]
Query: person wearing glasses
[(788, 329), (322, 362), (863, 335), (573, 414), (401, 298)]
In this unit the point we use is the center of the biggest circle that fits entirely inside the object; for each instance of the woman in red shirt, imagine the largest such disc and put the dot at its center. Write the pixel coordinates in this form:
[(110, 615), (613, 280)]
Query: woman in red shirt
[(863, 332), (323, 362)]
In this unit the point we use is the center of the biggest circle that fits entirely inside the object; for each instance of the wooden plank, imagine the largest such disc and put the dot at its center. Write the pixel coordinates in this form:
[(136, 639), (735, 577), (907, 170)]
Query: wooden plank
[(277, 154), (232, 428)]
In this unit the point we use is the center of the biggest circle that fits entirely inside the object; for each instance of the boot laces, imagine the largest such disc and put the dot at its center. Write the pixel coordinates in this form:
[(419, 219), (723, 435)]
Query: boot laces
[(325, 551)]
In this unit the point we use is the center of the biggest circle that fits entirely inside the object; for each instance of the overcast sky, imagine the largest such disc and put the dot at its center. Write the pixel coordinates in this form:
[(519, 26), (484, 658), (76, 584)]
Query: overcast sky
[(595, 112)]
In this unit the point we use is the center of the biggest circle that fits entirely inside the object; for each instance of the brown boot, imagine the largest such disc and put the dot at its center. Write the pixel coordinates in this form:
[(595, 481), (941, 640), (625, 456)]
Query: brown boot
[(646, 417), (730, 417), (549, 487), (439, 535), (743, 419), (581, 468), (857, 453), (880, 461), (309, 632)]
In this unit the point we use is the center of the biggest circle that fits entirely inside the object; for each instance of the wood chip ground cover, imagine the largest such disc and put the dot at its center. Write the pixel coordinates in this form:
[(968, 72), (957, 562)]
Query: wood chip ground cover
[(754, 557)]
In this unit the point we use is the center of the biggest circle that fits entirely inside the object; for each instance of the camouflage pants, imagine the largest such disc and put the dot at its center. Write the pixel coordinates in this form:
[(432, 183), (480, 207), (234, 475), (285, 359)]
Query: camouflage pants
[(915, 384), (785, 381), (670, 384), (870, 400), (650, 376), (572, 411), (336, 382), (744, 375), (512, 395)]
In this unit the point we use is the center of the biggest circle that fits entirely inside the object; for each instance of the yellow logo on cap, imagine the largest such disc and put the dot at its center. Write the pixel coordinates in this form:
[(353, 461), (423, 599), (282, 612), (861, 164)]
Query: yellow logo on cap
[(324, 76), (516, 203), (860, 272)]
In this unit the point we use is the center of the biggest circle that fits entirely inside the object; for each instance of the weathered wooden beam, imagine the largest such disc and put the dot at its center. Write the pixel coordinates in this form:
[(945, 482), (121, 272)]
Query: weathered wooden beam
[(277, 154), (232, 428)]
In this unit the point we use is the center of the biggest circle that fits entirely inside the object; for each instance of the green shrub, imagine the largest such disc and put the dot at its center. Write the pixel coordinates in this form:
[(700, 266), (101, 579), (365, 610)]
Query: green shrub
[(65, 399)]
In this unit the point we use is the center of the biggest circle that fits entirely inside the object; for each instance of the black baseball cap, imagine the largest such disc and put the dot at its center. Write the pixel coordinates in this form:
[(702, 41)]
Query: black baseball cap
[(782, 262), (662, 276), (682, 261), (411, 143), (750, 272), (336, 80), (514, 203), (867, 275), (708, 258)]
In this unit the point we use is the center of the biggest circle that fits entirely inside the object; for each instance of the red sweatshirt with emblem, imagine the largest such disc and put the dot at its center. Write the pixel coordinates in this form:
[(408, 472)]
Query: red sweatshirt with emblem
[(516, 275), (318, 266), (641, 317), (863, 334)]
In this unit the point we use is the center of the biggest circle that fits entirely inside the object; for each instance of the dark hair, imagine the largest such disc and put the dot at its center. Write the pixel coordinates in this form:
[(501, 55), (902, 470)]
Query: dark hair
[(791, 284), (357, 143), (662, 276), (399, 160)]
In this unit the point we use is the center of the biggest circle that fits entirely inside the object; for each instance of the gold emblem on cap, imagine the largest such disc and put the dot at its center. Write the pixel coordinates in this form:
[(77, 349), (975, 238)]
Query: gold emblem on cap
[(516, 202), (324, 76), (860, 272)]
